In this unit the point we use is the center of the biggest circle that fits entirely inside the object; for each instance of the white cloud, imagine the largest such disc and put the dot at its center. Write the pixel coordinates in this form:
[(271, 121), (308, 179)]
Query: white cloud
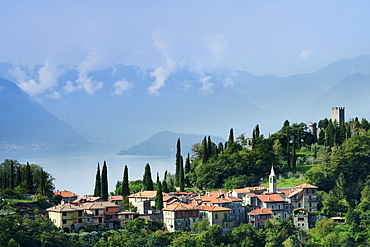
[(218, 45), (228, 82), (84, 82), (207, 87), (54, 95), (161, 73), (122, 86), (45, 79), (305, 54)]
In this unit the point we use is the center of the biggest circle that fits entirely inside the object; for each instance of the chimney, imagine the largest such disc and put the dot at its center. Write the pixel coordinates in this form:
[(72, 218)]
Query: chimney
[(268, 198)]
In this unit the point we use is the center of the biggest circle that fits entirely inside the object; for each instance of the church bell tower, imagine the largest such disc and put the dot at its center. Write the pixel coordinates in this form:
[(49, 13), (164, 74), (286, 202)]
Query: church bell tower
[(272, 181)]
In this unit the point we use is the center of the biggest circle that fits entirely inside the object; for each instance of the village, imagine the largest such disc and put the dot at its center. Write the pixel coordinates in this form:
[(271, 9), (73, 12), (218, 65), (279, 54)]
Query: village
[(181, 210)]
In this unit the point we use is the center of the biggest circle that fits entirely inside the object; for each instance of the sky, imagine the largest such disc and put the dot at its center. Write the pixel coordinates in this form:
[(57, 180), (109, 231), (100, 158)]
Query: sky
[(262, 37)]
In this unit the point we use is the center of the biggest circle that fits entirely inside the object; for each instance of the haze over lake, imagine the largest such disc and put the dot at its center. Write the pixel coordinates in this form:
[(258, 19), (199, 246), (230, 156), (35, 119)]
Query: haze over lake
[(75, 170)]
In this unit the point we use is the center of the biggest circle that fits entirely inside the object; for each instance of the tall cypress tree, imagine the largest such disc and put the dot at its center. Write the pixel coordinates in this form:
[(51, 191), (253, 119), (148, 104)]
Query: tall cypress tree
[(42, 182), (159, 197), (178, 157), (97, 189), (209, 147), (125, 186), (187, 171), (104, 182), (182, 177), (147, 179), (12, 178), (231, 135), (18, 177), (29, 179), (205, 155)]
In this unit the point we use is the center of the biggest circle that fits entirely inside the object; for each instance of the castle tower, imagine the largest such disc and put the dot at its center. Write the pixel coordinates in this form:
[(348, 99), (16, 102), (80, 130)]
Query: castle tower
[(337, 114), (313, 129), (272, 181)]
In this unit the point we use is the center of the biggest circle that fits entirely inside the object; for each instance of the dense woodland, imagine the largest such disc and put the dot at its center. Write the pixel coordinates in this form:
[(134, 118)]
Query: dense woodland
[(338, 162)]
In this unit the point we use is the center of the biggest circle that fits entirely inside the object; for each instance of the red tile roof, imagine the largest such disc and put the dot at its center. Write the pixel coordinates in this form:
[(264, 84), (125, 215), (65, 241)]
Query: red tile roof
[(270, 198), (115, 198), (212, 208), (261, 211), (65, 193), (179, 207), (145, 194), (306, 186)]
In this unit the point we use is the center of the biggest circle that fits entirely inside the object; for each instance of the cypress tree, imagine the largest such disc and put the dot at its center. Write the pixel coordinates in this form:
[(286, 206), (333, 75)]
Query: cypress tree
[(18, 177), (159, 197), (220, 147), (104, 182), (209, 147), (147, 178), (231, 135), (12, 178), (97, 189), (125, 186), (182, 177), (178, 157), (187, 165), (205, 150), (42, 182), (165, 187), (29, 179)]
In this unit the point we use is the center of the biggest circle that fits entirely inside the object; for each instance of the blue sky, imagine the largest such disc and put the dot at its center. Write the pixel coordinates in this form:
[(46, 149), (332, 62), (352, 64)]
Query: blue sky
[(261, 37)]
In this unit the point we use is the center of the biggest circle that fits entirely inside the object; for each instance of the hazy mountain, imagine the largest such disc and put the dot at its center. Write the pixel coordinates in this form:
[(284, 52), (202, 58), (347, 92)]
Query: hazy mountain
[(25, 124), (164, 144), (127, 104), (353, 93)]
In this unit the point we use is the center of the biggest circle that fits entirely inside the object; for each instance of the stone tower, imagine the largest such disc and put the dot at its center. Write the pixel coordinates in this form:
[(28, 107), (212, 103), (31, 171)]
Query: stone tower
[(337, 114), (313, 129), (272, 181)]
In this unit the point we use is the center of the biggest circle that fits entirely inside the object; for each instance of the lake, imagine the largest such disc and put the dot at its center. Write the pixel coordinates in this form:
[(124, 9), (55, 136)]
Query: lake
[(76, 170)]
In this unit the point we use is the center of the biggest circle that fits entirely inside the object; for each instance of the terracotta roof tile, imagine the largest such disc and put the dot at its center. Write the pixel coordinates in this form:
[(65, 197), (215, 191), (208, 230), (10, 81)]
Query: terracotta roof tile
[(306, 186), (179, 207), (212, 208), (270, 198), (261, 211), (65, 193)]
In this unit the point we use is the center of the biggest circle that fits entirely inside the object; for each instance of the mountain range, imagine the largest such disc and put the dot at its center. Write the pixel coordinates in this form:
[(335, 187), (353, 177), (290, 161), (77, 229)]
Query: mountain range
[(25, 124), (127, 104)]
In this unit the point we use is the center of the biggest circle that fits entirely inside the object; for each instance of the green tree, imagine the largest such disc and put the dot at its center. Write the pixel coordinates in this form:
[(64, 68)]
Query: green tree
[(178, 162), (97, 189), (147, 178), (125, 183), (104, 182), (29, 179), (12, 177), (159, 197)]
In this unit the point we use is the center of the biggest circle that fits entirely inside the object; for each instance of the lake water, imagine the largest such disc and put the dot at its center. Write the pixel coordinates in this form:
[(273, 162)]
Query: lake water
[(76, 170)]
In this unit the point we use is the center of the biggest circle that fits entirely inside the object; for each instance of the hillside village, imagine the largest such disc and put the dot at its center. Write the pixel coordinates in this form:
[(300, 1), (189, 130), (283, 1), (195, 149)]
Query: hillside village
[(328, 197), (181, 210)]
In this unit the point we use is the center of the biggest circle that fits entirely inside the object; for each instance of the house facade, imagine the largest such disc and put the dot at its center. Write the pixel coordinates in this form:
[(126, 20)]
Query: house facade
[(258, 217), (180, 216)]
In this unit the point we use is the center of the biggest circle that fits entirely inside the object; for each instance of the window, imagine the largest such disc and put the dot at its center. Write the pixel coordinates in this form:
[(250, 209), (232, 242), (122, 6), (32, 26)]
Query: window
[(64, 221), (79, 220), (79, 213), (216, 216), (225, 216), (64, 213), (299, 204), (100, 220), (96, 211)]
